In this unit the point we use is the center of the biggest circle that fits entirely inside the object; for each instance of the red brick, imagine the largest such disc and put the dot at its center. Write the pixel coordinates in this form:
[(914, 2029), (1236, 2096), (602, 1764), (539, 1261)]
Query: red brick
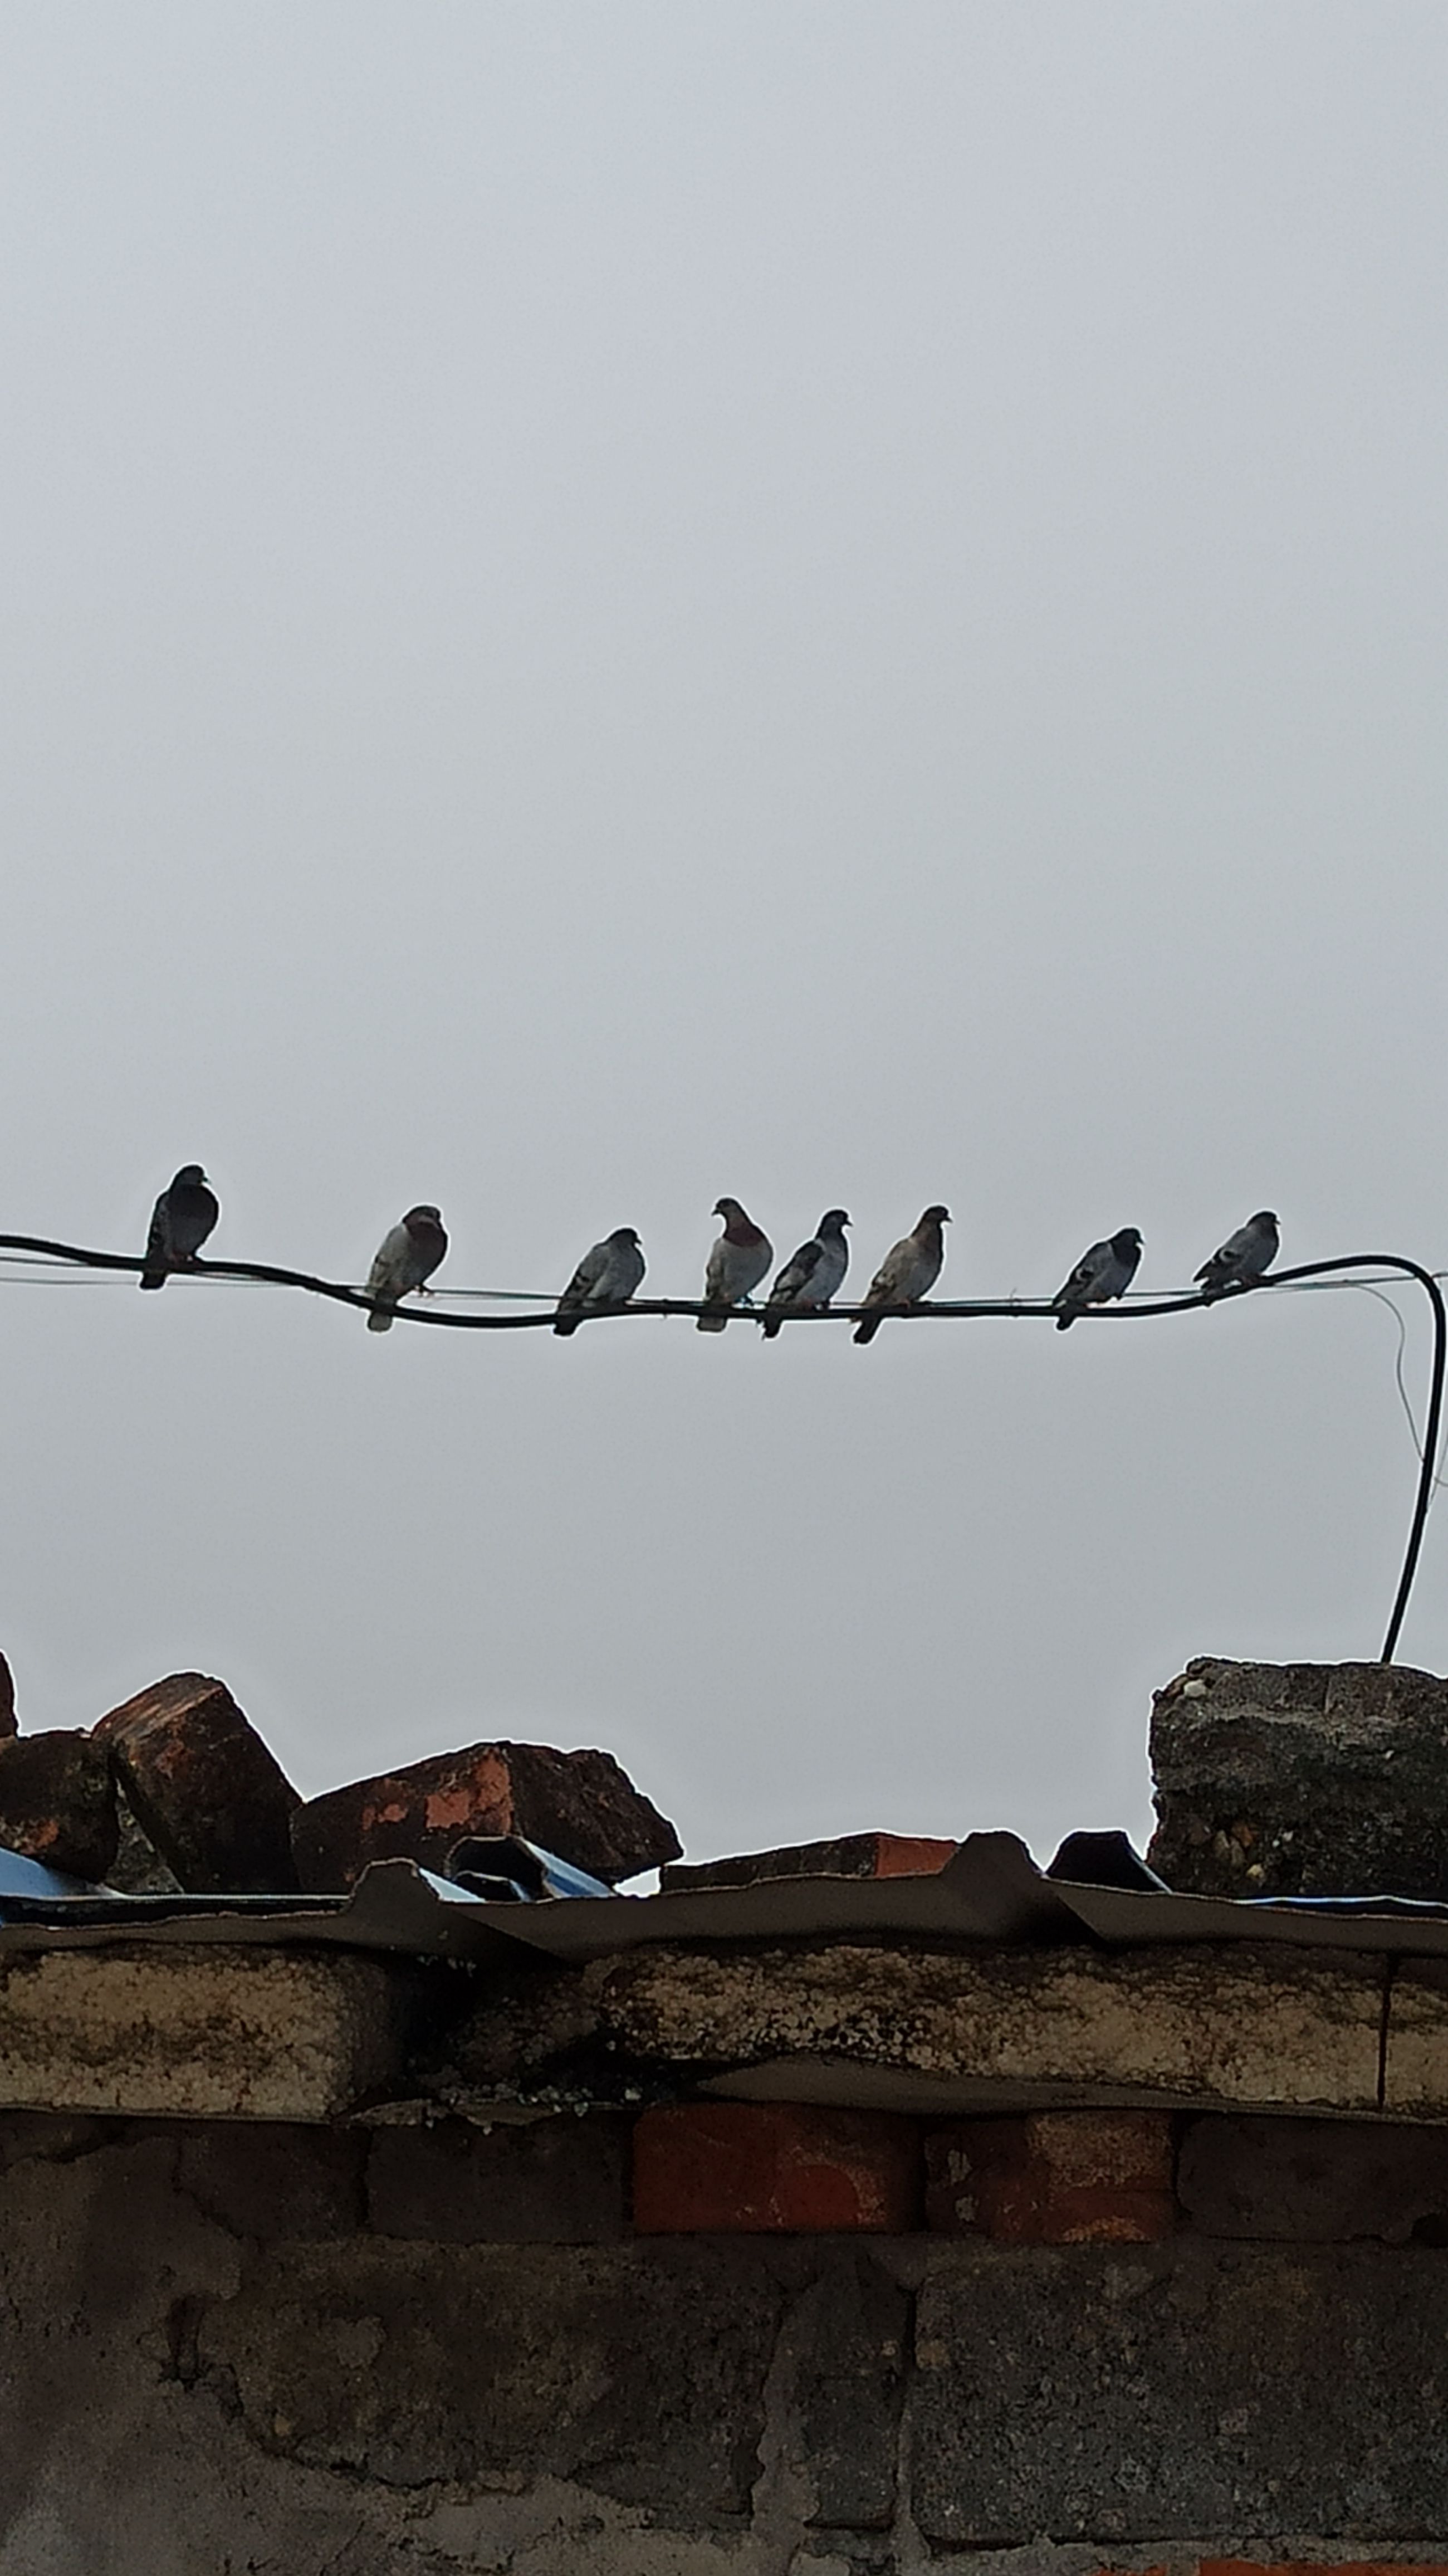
[(1053, 2178), (579, 1805), (774, 2167), (1322, 2567), (847, 1856), (58, 1801), (203, 1787)]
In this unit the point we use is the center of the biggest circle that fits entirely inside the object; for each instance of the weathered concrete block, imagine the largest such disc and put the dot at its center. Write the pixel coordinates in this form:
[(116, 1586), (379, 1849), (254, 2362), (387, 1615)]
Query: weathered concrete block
[(205, 1789), (1301, 1779), (58, 1801), (272, 2180), (850, 2334), (1155, 2393), (549, 2182), (1054, 2178), (200, 2033), (722, 2167), (580, 1805), (1415, 2054), (1186, 2027), (1315, 2181), (489, 2364), (846, 1856)]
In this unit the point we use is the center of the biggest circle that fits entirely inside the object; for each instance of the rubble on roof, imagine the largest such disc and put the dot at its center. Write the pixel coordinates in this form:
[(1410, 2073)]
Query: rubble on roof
[(580, 1805), (205, 1790), (7, 1699), (58, 1801), (1301, 1779)]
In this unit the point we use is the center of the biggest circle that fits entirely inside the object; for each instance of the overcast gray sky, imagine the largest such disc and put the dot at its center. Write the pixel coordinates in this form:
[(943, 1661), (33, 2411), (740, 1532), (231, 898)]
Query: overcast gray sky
[(604, 604)]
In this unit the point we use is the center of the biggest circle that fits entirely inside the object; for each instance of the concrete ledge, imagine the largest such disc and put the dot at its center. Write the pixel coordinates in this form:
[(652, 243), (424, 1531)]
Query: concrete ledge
[(983, 2027), (201, 2033)]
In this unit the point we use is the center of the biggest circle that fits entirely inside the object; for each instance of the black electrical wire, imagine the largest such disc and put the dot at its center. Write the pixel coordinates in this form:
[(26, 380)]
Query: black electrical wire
[(963, 1310)]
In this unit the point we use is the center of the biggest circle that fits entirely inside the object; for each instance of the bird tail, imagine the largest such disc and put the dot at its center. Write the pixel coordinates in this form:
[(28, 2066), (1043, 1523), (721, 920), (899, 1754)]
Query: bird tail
[(867, 1327), (714, 1321), (566, 1324), (771, 1326), (153, 1279), (1065, 1319), (380, 1320)]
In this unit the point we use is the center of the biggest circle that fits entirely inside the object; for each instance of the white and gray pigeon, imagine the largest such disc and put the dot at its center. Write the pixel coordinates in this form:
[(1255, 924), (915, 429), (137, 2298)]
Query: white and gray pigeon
[(735, 1266), (907, 1273), (181, 1220), (1106, 1271), (1244, 1256), (405, 1258), (814, 1274), (608, 1275)]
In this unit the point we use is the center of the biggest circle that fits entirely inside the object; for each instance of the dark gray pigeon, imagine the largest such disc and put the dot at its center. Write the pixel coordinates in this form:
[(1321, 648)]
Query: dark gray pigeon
[(181, 1220), (737, 1262), (813, 1275), (405, 1258), (608, 1275), (1244, 1256), (1106, 1271), (908, 1272)]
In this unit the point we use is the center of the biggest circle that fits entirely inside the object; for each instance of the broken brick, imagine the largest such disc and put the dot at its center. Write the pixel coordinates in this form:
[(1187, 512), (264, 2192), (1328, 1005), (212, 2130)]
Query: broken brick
[(846, 1856), (203, 1787), (774, 2167), (58, 1801), (1053, 2178), (581, 1806)]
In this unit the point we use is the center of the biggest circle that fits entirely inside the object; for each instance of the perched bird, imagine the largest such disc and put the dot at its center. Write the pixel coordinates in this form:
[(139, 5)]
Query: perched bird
[(608, 1275), (907, 1273), (1106, 1271), (181, 1220), (735, 1266), (811, 1276), (405, 1258), (1244, 1256)]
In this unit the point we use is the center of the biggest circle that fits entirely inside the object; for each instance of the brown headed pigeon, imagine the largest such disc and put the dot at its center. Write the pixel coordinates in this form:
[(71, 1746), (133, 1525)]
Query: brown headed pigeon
[(735, 1266), (608, 1275), (813, 1275), (1244, 1256), (181, 1220), (1106, 1271), (406, 1257), (907, 1273)]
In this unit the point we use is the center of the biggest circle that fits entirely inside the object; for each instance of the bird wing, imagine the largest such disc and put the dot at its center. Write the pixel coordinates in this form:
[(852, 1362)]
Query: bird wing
[(390, 1274), (585, 1278), (800, 1269)]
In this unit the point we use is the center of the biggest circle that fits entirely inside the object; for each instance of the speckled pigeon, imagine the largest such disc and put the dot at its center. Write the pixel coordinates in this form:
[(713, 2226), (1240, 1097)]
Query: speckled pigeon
[(735, 1266), (813, 1275), (1244, 1256), (608, 1275), (181, 1220), (406, 1257), (1106, 1271), (907, 1273)]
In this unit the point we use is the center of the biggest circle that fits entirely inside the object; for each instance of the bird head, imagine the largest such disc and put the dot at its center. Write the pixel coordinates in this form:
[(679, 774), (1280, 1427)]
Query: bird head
[(1126, 1242), (190, 1177), (934, 1216), (832, 1220), (423, 1215), (624, 1234), (728, 1209), (1265, 1217)]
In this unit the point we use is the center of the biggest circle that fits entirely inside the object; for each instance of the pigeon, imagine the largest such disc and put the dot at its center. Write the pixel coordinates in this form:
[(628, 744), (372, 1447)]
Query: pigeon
[(181, 1220), (405, 1258), (608, 1275), (812, 1275), (907, 1273), (736, 1265), (1243, 1257), (1106, 1271)]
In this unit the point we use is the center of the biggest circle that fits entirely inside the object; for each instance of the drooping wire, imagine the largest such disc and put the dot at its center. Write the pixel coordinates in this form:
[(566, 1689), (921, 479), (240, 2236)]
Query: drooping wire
[(1134, 1310)]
